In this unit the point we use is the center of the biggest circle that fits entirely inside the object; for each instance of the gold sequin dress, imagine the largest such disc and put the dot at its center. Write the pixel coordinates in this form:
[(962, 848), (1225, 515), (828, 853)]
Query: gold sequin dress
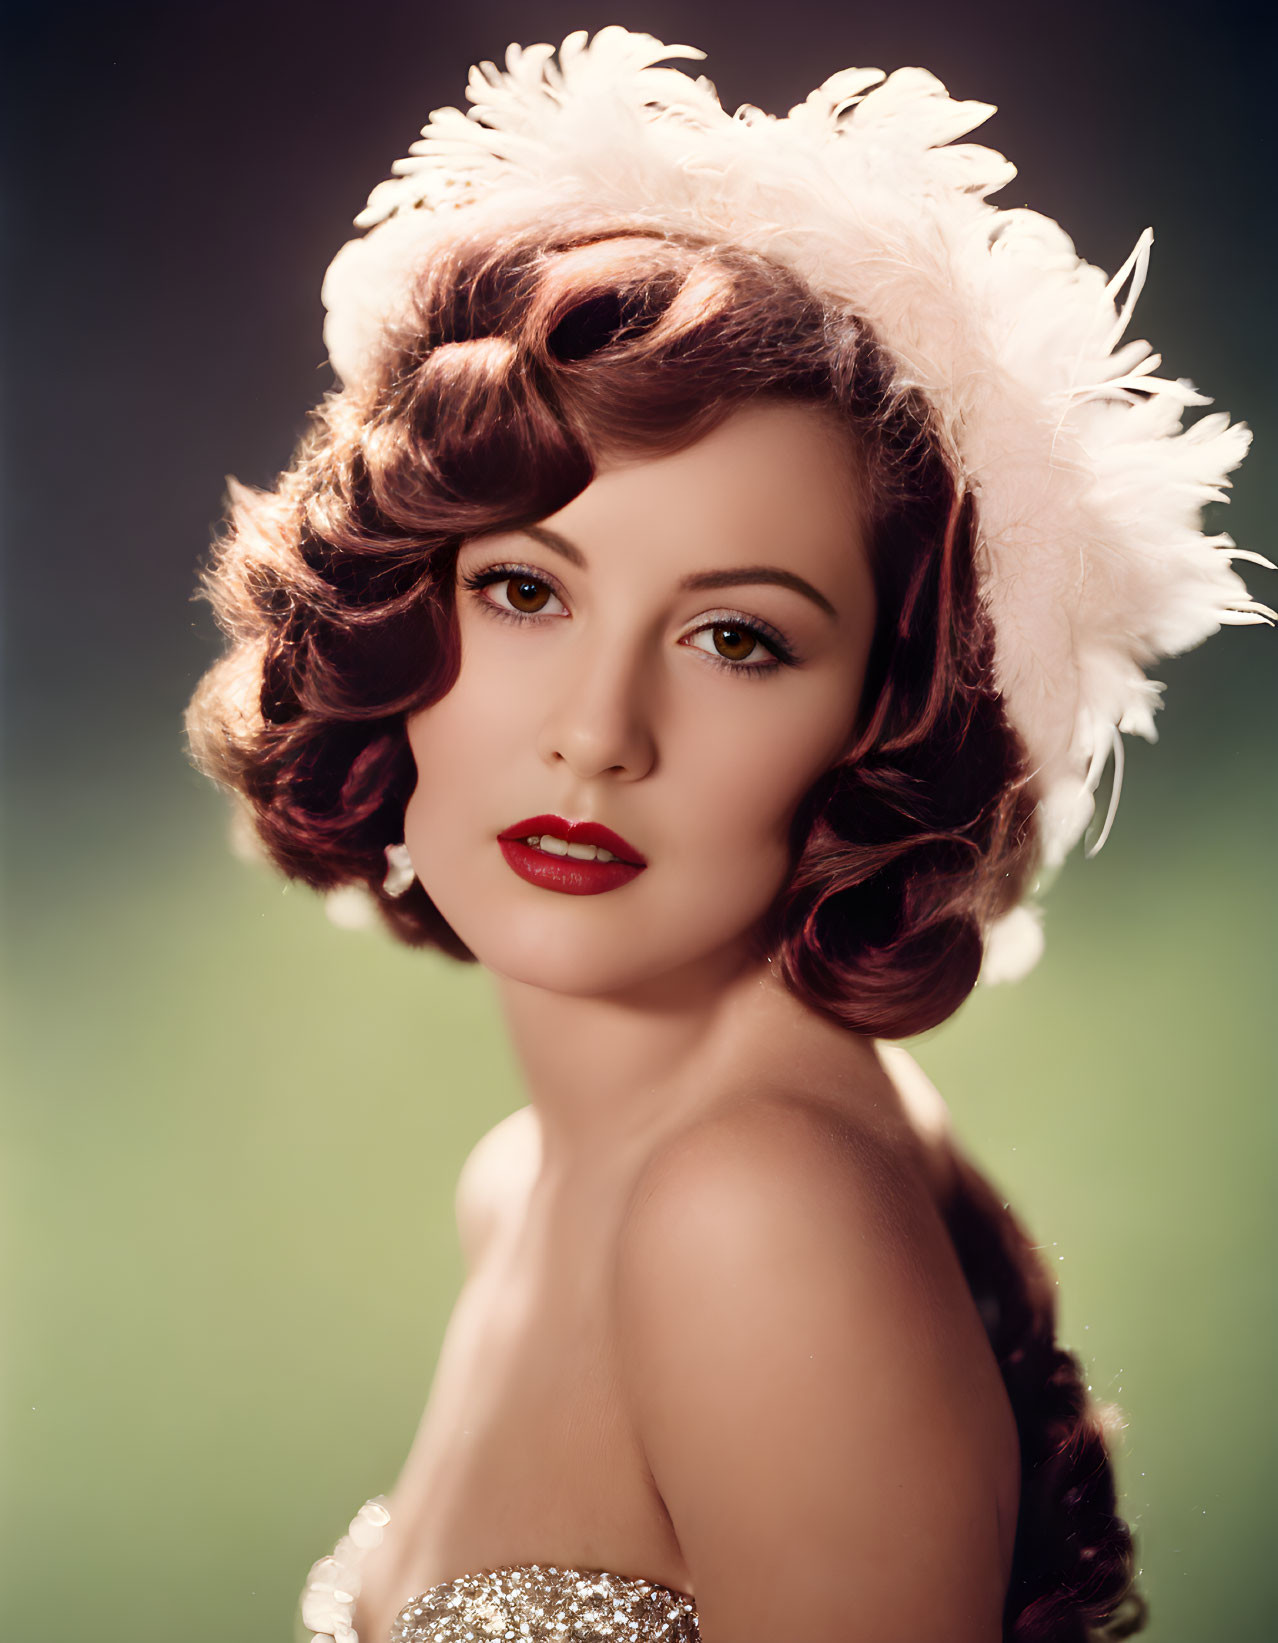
[(532, 1604), (547, 1605)]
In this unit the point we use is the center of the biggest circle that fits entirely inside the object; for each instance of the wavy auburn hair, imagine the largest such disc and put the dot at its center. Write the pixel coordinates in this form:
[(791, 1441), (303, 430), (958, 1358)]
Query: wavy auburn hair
[(524, 362)]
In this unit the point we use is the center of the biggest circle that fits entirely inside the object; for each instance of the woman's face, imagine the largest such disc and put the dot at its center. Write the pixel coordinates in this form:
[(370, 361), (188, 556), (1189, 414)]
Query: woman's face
[(674, 656)]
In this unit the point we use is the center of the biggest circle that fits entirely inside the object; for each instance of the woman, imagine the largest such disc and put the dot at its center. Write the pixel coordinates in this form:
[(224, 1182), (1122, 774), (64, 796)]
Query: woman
[(708, 603)]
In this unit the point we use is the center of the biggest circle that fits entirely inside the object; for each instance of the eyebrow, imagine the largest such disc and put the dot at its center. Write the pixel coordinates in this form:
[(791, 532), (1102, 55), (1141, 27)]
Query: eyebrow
[(738, 576)]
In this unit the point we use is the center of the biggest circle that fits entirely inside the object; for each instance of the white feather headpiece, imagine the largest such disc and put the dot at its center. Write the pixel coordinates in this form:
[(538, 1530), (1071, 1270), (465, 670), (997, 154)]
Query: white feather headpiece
[(1089, 490)]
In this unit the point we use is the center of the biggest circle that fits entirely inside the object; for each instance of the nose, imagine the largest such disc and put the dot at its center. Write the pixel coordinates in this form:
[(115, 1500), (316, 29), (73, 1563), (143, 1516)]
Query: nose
[(601, 720)]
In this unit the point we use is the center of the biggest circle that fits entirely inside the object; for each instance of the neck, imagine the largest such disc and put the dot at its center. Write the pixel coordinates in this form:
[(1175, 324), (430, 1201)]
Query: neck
[(605, 1070)]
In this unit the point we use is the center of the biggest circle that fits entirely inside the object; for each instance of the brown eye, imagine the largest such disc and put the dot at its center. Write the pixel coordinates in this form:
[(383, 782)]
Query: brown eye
[(526, 595), (741, 647), (733, 644), (513, 593)]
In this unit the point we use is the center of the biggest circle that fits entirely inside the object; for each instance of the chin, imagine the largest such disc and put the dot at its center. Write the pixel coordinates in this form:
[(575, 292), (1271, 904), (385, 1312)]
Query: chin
[(556, 949), (549, 953), (572, 973)]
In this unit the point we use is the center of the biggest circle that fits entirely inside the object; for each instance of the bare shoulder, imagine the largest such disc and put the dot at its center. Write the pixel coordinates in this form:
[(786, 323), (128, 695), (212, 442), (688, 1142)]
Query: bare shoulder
[(767, 1181), (498, 1171), (810, 1385)]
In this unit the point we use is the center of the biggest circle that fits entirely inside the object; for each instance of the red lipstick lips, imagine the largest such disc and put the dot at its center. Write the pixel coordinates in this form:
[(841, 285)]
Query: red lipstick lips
[(570, 875)]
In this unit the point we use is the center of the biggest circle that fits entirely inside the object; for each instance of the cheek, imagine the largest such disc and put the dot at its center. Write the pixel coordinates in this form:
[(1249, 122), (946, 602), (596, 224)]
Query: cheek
[(736, 800), (484, 717), (450, 759), (748, 775)]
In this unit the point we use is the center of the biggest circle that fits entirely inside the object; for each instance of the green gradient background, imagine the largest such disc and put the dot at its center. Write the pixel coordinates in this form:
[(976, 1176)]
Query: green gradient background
[(231, 1129)]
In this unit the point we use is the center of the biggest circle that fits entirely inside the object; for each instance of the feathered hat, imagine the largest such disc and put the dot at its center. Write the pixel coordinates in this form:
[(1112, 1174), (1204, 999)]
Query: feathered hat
[(1089, 490)]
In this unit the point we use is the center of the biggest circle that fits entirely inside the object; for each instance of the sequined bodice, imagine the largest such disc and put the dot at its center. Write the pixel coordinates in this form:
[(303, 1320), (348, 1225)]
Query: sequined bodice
[(547, 1605), (534, 1603)]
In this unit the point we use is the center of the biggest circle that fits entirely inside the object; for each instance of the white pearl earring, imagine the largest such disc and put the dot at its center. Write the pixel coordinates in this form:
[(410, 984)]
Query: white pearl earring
[(399, 870)]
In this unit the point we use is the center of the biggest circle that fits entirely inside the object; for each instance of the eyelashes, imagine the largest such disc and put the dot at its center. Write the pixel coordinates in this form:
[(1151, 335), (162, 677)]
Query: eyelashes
[(511, 574), (536, 591), (735, 632)]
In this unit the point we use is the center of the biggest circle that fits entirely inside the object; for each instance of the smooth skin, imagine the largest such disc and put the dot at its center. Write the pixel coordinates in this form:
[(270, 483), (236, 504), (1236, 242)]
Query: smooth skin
[(713, 1332)]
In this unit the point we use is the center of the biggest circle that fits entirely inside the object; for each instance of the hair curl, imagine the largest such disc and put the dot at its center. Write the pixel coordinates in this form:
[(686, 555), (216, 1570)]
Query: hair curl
[(521, 365)]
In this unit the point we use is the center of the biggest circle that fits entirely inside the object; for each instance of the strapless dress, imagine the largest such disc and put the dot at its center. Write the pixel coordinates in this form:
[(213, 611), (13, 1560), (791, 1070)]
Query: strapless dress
[(535, 1603)]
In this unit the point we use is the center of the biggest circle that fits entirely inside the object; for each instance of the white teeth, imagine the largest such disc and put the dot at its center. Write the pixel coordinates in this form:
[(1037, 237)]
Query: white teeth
[(579, 852)]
